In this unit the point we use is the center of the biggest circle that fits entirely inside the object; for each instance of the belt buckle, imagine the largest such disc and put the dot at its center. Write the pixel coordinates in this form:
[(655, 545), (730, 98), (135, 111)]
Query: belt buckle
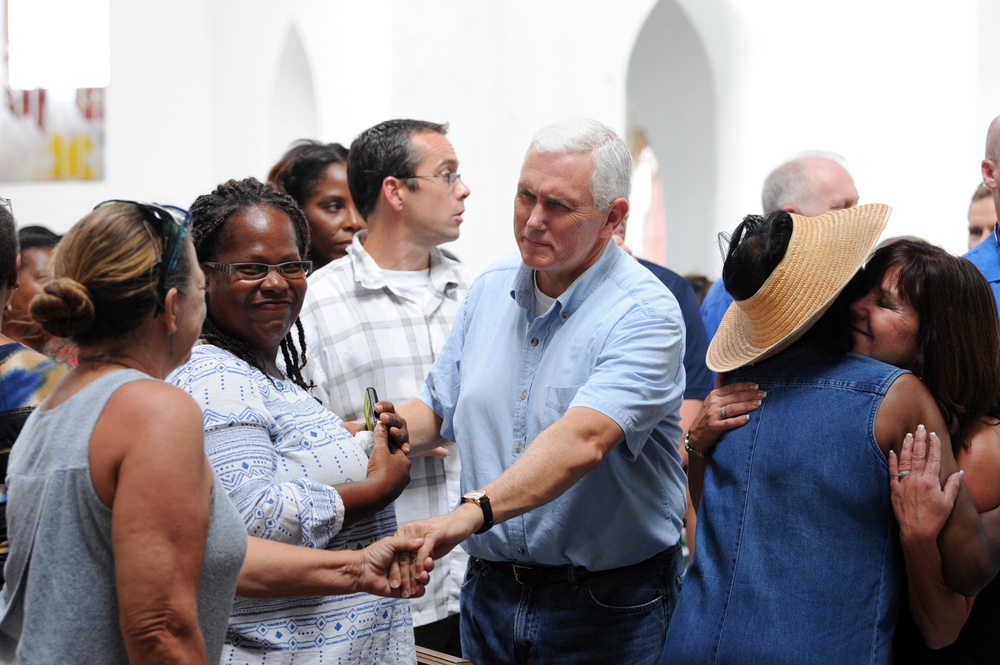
[(517, 578)]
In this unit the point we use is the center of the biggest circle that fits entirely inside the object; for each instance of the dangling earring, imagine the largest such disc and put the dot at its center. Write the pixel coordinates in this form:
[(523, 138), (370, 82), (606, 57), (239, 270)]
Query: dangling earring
[(172, 344)]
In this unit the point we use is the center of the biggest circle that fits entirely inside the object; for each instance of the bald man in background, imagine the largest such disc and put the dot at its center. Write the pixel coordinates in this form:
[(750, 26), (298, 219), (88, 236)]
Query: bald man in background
[(986, 255), (811, 184)]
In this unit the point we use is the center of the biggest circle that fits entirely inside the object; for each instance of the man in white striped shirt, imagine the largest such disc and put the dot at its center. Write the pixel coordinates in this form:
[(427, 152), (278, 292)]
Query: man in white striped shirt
[(378, 317)]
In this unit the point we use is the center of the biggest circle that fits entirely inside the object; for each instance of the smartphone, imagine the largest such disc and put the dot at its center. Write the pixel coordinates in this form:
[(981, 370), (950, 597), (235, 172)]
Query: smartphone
[(371, 418)]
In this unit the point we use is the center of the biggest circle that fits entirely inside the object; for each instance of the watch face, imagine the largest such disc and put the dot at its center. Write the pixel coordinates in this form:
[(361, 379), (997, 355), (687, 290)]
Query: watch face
[(475, 495)]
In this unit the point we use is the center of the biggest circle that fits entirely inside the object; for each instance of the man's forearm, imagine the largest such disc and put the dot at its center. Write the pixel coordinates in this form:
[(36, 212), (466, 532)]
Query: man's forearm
[(423, 424), (558, 457)]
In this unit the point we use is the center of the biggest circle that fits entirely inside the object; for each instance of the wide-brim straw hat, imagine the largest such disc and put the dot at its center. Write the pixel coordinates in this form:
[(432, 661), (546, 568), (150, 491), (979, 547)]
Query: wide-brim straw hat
[(823, 254)]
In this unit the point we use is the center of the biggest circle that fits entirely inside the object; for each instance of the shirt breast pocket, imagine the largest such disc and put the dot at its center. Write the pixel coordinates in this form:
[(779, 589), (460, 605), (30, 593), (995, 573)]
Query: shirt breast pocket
[(558, 399)]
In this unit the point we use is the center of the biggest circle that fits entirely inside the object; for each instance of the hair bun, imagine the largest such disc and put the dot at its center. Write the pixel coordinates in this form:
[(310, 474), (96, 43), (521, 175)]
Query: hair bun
[(64, 308)]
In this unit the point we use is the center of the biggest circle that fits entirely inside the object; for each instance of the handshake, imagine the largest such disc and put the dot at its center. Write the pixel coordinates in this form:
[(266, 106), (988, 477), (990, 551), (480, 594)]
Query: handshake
[(399, 565)]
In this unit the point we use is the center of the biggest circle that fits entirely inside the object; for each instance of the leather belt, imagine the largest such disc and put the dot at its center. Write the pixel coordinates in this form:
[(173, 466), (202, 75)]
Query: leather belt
[(541, 575)]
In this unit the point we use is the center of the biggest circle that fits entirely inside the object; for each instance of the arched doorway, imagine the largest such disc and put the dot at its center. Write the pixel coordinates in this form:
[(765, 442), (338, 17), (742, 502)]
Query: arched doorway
[(673, 117), (293, 102)]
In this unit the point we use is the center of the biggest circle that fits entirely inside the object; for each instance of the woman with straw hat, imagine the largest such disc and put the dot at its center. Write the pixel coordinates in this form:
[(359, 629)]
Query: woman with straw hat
[(798, 555)]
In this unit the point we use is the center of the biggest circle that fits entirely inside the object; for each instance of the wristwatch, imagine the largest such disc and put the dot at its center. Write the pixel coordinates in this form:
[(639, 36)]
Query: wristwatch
[(480, 498)]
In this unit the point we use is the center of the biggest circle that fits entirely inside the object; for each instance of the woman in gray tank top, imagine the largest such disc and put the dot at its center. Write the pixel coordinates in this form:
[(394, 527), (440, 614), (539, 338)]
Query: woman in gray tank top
[(122, 547)]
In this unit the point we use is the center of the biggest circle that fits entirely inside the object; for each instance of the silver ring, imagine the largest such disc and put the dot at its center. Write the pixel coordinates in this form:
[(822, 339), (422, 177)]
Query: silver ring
[(903, 474), (722, 412)]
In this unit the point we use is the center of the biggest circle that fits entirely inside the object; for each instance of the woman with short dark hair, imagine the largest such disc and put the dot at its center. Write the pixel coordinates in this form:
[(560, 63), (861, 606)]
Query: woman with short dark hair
[(37, 244)]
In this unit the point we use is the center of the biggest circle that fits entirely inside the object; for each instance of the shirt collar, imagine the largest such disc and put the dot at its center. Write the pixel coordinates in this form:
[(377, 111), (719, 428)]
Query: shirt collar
[(572, 298), (444, 272)]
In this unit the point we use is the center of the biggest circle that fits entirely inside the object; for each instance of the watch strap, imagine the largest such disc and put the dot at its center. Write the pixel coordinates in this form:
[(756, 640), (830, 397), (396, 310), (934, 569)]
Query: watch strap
[(484, 504)]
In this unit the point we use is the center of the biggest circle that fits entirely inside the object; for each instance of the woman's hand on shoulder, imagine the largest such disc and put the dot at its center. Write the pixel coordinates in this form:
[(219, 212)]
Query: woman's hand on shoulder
[(724, 409), (921, 505)]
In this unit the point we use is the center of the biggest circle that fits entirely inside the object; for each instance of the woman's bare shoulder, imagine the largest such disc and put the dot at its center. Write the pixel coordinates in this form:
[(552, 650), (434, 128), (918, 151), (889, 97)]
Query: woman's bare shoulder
[(907, 404), (147, 427), (980, 459)]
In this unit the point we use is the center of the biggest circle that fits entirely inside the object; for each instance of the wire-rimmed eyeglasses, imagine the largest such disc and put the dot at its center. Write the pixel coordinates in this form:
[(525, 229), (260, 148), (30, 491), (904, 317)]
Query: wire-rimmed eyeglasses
[(449, 177)]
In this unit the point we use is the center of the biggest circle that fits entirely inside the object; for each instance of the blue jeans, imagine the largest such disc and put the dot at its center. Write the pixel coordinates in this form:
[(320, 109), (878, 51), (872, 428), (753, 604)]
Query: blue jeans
[(615, 617)]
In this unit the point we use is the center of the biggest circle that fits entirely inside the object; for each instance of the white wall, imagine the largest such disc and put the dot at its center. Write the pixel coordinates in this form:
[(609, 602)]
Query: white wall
[(898, 93), (678, 91), (158, 127), (498, 71), (904, 95), (893, 91)]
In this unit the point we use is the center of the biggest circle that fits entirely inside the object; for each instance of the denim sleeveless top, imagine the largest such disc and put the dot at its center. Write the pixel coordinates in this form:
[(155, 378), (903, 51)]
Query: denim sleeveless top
[(60, 602), (798, 556)]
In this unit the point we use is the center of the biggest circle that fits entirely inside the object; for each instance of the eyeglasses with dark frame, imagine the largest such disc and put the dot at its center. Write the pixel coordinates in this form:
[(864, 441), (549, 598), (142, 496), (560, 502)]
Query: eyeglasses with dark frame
[(449, 177), (173, 223), (254, 272)]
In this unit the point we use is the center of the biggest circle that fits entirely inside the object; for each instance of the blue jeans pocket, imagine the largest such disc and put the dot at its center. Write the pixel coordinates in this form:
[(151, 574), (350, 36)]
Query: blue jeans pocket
[(473, 572), (620, 595)]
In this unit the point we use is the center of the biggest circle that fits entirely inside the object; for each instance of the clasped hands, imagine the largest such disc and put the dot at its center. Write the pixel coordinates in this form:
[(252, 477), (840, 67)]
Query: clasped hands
[(417, 544), (439, 535)]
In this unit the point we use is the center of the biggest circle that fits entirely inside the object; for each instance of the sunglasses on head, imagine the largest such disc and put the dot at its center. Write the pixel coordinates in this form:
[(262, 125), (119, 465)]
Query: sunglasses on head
[(173, 223)]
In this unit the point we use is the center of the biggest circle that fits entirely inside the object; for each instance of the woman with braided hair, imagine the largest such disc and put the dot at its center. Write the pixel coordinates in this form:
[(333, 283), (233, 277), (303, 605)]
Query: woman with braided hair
[(294, 470)]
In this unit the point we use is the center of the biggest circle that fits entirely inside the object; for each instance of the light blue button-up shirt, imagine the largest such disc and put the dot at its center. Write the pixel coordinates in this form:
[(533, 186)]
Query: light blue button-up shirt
[(613, 342)]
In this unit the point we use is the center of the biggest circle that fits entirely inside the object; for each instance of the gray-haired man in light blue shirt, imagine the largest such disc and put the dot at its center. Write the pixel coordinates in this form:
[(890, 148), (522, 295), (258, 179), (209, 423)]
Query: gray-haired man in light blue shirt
[(562, 382)]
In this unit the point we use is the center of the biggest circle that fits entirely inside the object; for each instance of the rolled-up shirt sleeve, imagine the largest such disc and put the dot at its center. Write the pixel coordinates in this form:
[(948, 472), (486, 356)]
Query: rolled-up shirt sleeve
[(638, 377)]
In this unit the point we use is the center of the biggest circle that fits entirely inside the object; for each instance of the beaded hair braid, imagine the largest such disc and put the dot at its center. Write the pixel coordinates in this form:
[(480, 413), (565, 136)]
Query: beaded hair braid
[(209, 232)]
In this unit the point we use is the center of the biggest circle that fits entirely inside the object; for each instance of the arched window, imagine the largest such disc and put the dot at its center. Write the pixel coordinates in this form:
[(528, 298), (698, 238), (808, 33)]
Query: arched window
[(56, 65)]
